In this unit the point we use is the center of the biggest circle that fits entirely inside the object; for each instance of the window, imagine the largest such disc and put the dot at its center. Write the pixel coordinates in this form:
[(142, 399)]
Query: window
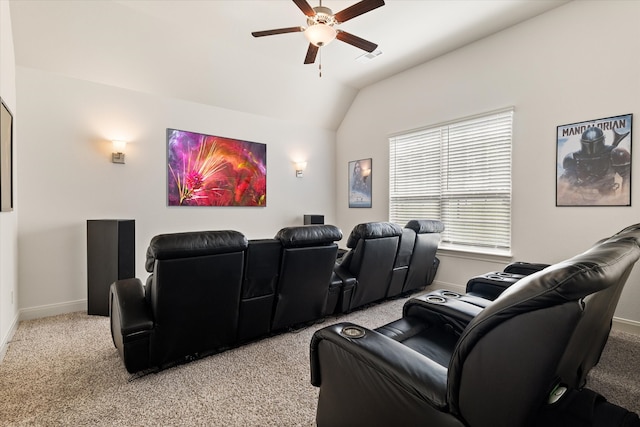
[(460, 173)]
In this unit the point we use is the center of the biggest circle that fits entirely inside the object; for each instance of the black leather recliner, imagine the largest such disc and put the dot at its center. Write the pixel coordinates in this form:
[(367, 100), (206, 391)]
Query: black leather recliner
[(212, 290), (424, 263), (287, 279), (416, 263), (369, 263), (490, 285), (450, 362), (308, 257), (177, 314)]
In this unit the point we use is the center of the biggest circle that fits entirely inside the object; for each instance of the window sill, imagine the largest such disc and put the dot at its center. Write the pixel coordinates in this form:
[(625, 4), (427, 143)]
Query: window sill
[(481, 254)]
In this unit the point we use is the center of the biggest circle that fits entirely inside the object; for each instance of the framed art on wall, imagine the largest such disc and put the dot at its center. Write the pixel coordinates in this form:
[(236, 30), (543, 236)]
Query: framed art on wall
[(6, 158), (593, 162), (207, 170), (360, 183)]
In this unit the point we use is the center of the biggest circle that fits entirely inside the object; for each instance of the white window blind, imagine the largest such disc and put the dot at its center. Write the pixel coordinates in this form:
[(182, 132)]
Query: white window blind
[(460, 173)]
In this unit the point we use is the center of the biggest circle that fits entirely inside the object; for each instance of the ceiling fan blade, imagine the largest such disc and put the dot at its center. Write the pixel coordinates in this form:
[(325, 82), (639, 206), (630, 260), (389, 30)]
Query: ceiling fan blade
[(358, 9), (277, 31), (312, 52), (305, 7), (356, 41)]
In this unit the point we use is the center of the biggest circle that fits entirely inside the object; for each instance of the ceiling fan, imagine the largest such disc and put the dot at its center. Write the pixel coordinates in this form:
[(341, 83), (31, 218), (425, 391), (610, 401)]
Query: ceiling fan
[(321, 23)]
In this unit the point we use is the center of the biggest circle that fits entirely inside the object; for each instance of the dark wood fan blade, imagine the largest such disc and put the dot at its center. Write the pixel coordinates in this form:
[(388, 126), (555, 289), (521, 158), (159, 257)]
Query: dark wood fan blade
[(305, 7), (358, 9), (277, 31), (356, 41), (312, 52)]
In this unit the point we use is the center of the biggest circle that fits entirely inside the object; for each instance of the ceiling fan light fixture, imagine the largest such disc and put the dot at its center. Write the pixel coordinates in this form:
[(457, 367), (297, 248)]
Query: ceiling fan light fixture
[(320, 34)]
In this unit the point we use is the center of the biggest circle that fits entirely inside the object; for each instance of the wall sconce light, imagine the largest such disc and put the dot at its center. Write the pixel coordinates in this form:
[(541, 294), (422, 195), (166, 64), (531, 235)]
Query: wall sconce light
[(118, 152), (300, 167)]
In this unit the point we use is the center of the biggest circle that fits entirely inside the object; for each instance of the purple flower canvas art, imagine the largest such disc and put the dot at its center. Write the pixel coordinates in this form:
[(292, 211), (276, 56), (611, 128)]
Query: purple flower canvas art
[(207, 170)]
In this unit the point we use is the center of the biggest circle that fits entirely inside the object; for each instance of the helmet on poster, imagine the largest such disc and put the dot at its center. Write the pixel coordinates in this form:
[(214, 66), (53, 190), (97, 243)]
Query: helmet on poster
[(592, 141)]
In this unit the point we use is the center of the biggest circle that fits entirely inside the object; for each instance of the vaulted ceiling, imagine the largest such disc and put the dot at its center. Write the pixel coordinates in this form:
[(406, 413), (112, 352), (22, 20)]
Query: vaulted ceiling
[(203, 51)]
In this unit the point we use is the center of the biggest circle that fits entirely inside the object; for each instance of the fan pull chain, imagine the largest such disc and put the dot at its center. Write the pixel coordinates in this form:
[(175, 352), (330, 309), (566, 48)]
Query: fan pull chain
[(320, 65)]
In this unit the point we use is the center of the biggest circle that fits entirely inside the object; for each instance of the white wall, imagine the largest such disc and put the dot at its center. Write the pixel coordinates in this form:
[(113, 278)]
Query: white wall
[(574, 63), (8, 220), (66, 177)]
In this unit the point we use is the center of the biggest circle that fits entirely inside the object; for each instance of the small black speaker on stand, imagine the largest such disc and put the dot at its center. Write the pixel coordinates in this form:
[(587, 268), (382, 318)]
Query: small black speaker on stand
[(110, 256), (313, 219)]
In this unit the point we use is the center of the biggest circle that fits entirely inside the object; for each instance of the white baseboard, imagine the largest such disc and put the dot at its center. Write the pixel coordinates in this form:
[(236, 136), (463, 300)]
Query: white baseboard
[(36, 313), (626, 325), (53, 309), (5, 340)]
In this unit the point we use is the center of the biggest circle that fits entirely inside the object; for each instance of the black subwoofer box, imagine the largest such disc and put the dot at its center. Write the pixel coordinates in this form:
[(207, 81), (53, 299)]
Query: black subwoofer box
[(313, 219)]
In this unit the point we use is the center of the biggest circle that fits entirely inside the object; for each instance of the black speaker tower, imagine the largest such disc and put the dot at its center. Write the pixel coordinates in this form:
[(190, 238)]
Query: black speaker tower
[(110, 257)]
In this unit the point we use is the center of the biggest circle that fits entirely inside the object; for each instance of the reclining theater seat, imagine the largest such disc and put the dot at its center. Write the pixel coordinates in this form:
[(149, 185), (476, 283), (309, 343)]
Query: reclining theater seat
[(308, 256), (416, 264), (490, 285), (424, 264), (494, 366), (370, 262), (592, 333), (191, 303)]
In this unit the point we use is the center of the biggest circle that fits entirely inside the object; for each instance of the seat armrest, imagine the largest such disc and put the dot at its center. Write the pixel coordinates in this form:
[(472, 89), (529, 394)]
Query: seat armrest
[(129, 305), (524, 268), (453, 312), (410, 371), (348, 279), (347, 288)]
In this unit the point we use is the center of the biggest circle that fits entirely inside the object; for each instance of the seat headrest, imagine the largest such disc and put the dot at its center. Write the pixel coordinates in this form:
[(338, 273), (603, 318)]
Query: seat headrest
[(308, 235), (422, 226), (195, 243), (372, 230)]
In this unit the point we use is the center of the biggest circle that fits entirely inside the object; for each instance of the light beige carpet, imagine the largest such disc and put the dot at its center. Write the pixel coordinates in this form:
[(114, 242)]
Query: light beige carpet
[(65, 371)]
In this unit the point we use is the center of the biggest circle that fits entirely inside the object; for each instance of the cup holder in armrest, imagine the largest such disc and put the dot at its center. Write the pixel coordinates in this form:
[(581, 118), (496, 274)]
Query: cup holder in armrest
[(435, 299), (352, 332), (450, 294)]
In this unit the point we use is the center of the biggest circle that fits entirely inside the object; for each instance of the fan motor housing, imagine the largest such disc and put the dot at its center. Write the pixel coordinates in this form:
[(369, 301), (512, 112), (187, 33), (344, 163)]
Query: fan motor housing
[(323, 15)]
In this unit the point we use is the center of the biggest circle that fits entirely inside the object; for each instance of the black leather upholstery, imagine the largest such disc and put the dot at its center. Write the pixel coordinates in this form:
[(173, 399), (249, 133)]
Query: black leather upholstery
[(592, 333), (308, 256), (451, 362), (262, 269), (423, 260), (370, 261), (187, 308), (212, 290), (524, 268), (491, 285), (403, 259), (385, 261)]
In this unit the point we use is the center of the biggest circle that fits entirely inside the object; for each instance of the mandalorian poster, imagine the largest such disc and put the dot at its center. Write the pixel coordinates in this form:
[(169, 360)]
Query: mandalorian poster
[(593, 164)]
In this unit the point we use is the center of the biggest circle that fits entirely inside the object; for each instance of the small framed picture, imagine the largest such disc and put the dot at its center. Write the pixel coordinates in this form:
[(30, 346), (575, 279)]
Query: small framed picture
[(6, 158), (593, 163), (360, 183)]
